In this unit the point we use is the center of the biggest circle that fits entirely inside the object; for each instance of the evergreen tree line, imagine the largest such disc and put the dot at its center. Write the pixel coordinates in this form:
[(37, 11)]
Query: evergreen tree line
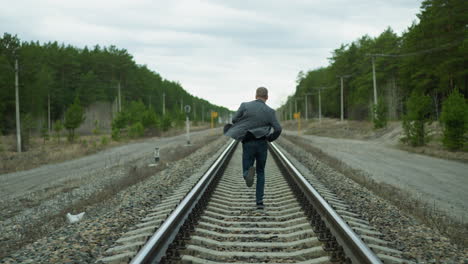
[(428, 61), (64, 74)]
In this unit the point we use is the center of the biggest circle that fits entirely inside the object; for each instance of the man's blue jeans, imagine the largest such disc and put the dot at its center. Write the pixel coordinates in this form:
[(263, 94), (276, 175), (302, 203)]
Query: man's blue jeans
[(255, 150)]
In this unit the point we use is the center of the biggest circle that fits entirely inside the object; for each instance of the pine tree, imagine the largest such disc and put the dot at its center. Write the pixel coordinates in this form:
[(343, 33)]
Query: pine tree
[(74, 117), (455, 121), (416, 118), (58, 127)]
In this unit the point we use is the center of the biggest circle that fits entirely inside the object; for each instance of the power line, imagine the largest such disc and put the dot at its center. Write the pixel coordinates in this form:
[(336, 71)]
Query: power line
[(374, 55), (442, 47)]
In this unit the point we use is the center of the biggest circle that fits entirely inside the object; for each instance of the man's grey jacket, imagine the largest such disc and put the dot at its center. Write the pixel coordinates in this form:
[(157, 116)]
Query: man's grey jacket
[(257, 118)]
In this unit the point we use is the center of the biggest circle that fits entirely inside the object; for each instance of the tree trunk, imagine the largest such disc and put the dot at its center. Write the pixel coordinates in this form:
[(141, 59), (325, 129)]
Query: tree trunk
[(436, 104)]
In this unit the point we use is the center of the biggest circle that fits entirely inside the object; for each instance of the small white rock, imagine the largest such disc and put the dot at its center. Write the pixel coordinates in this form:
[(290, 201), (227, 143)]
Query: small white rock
[(74, 218)]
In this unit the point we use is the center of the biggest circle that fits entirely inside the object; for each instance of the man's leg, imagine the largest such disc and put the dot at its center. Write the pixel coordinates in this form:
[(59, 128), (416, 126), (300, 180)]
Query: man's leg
[(261, 157), (248, 157)]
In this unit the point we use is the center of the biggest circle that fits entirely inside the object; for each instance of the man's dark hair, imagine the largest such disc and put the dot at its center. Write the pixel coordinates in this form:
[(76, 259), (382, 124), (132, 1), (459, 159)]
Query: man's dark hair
[(261, 92)]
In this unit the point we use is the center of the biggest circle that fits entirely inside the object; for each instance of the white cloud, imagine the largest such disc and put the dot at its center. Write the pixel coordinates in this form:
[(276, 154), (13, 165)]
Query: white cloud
[(218, 50)]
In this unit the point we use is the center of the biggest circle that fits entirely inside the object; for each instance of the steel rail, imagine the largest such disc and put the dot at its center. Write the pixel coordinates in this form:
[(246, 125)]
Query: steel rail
[(155, 249), (354, 248)]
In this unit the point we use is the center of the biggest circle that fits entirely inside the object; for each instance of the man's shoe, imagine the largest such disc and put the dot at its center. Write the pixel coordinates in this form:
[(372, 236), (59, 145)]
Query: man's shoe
[(260, 205), (249, 179)]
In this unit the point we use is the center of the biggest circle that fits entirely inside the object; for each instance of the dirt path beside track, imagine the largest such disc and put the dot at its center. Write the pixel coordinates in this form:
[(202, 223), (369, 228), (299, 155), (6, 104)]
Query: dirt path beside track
[(443, 183), (19, 183)]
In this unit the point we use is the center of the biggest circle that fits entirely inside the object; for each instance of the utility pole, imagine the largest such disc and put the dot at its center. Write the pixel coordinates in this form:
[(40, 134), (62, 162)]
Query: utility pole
[(305, 99), (320, 106), (306, 107), (119, 106), (290, 111), (203, 113), (374, 55), (48, 112), (342, 107), (187, 123), (194, 111), (211, 119), (295, 105), (341, 98), (18, 125), (164, 104), (320, 101), (375, 81)]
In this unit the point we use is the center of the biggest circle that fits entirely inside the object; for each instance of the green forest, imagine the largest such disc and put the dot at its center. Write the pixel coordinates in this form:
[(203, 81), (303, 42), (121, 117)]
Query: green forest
[(57, 74), (430, 59)]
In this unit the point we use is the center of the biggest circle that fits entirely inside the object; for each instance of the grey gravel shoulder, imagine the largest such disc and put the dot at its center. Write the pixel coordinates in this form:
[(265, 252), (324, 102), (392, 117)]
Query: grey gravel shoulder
[(85, 241), (417, 242), (437, 181)]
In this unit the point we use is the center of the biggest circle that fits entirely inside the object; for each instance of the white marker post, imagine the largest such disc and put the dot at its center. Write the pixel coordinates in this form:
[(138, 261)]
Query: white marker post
[(187, 109), (156, 158), (156, 155)]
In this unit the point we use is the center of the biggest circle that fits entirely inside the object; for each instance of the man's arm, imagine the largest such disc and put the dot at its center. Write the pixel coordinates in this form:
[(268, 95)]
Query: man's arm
[(277, 128), (239, 114)]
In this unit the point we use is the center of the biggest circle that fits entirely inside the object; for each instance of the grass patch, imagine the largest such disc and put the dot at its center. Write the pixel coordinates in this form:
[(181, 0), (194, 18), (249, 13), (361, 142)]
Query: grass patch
[(391, 134), (42, 152), (435, 149), (456, 231)]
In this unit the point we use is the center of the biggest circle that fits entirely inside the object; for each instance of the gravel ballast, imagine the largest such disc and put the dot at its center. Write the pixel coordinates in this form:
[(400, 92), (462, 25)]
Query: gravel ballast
[(105, 221), (418, 242)]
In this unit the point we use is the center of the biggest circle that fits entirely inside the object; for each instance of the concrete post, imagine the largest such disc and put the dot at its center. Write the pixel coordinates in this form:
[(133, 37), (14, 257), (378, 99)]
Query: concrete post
[(18, 125)]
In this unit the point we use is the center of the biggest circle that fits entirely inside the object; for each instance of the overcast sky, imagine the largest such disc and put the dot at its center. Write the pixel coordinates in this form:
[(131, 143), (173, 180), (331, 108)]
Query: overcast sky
[(218, 50)]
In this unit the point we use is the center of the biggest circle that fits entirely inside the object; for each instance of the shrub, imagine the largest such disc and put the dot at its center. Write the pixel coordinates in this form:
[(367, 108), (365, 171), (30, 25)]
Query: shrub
[(136, 130), (120, 121), (135, 111), (166, 123), (179, 119), (149, 119), (115, 134), (104, 140), (96, 130), (27, 124), (380, 114), (415, 119), (74, 116), (58, 127), (455, 121), (1, 146), (45, 132)]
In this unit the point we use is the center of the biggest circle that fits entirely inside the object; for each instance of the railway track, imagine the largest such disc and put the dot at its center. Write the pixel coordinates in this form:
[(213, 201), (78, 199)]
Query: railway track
[(213, 219)]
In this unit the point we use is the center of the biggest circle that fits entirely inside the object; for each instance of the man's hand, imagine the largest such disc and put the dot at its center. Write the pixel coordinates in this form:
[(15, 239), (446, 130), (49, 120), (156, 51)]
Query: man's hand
[(226, 128)]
